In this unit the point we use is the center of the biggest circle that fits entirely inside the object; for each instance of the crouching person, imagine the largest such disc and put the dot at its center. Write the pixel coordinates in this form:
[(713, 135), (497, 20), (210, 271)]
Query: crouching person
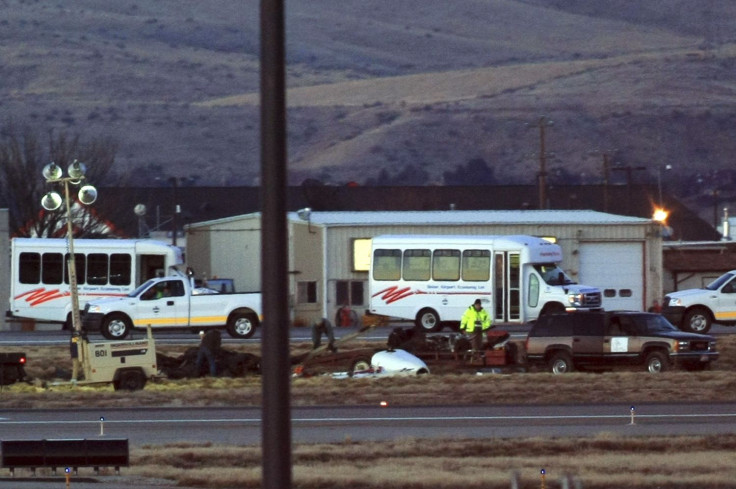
[(323, 326), (209, 347)]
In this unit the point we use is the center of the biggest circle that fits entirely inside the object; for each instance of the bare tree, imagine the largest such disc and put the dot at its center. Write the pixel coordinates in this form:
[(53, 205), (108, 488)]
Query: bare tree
[(23, 155)]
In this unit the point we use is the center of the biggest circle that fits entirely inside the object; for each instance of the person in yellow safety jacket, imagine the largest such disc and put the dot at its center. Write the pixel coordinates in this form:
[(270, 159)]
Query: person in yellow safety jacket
[(475, 322)]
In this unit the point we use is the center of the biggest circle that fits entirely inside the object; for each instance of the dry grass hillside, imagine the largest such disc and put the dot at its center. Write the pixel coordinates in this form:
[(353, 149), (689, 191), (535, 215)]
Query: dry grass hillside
[(376, 87)]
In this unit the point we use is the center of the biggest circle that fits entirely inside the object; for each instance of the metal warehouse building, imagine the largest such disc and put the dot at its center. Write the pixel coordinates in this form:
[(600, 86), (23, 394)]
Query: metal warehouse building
[(329, 252)]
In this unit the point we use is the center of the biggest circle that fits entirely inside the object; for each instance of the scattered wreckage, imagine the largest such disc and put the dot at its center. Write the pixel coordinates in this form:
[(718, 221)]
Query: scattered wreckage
[(408, 352), (414, 352)]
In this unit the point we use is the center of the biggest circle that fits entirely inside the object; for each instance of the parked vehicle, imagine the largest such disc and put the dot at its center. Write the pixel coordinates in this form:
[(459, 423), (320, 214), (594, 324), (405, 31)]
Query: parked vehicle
[(696, 310), (432, 279), (127, 365), (12, 367), (602, 340), (39, 273), (174, 303)]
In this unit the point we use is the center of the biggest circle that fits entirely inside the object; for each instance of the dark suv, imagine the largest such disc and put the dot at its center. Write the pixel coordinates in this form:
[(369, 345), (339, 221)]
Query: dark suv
[(598, 340)]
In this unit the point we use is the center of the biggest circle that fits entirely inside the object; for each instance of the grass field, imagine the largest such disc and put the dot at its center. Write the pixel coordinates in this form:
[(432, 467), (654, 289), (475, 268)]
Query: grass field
[(606, 461)]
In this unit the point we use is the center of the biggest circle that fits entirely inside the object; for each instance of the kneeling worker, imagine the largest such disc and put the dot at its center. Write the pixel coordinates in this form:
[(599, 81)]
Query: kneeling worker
[(475, 322)]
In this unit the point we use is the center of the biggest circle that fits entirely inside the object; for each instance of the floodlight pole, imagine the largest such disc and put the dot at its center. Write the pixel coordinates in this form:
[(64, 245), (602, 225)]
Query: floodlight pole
[(74, 294), (51, 202)]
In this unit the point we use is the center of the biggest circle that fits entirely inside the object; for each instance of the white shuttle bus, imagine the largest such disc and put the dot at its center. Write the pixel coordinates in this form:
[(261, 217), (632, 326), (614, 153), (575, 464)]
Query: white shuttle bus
[(434, 279), (39, 278)]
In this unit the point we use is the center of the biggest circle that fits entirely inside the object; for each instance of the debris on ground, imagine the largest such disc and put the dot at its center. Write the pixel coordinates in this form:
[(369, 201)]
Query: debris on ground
[(229, 364)]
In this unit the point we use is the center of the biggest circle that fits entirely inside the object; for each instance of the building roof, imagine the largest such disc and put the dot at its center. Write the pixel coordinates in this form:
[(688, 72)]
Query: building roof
[(709, 256), (460, 218), (204, 204)]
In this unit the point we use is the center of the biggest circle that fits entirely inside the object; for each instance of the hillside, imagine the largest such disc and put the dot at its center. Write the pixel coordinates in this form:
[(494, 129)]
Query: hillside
[(386, 92)]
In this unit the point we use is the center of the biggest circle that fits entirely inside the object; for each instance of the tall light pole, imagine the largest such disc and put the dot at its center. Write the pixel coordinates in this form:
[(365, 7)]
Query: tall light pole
[(177, 209), (52, 201), (659, 181)]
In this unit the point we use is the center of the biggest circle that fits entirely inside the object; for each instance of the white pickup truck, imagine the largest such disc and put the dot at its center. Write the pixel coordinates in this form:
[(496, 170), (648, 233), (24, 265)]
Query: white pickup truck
[(173, 303), (695, 310)]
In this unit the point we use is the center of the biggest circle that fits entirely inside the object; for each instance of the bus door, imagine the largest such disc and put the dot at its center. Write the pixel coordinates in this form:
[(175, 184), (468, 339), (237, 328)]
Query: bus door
[(150, 266), (507, 284)]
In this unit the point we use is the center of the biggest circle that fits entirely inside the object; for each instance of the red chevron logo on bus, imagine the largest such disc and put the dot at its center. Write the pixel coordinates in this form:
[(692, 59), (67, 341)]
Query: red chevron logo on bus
[(39, 296), (393, 294)]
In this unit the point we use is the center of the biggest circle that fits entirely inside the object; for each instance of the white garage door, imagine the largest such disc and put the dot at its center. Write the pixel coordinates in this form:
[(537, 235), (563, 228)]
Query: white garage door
[(616, 269)]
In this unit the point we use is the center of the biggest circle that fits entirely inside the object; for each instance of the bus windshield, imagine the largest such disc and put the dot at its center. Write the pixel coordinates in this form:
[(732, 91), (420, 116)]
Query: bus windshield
[(552, 274)]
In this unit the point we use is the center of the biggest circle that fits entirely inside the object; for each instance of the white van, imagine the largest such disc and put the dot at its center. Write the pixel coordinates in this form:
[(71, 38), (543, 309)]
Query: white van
[(39, 278), (432, 279)]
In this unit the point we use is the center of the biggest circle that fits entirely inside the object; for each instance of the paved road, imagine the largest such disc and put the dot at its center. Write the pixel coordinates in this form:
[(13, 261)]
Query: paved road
[(336, 423)]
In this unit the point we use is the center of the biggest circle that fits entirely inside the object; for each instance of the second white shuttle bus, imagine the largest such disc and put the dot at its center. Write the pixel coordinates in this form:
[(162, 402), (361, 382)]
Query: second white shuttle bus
[(39, 277), (432, 279)]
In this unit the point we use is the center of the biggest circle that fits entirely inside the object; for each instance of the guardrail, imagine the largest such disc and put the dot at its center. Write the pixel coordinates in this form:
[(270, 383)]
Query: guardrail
[(68, 453)]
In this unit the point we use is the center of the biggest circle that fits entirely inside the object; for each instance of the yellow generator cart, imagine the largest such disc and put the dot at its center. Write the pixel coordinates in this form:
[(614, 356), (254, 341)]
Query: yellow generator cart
[(128, 364)]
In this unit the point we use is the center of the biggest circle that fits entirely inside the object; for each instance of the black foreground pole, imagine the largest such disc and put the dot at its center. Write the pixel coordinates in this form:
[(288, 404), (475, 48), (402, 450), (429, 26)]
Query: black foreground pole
[(275, 365)]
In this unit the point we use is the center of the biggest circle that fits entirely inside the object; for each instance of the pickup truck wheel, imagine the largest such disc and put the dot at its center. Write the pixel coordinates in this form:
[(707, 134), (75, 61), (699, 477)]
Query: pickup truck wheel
[(656, 362), (561, 363), (116, 327), (696, 321), (241, 325)]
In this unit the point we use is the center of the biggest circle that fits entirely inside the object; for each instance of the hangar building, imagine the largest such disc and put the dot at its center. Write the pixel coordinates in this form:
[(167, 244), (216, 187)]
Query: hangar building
[(329, 252)]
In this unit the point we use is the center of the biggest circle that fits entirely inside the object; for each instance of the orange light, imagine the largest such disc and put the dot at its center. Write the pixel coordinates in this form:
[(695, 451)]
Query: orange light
[(384, 404), (660, 215)]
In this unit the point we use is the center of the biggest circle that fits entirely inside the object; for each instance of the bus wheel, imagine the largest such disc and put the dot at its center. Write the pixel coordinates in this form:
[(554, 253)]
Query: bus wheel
[(116, 327), (428, 321), (241, 325), (553, 308)]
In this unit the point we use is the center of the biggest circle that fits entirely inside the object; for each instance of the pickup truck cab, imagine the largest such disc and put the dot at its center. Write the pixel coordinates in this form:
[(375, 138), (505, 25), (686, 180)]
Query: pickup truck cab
[(602, 340), (696, 310), (173, 303)]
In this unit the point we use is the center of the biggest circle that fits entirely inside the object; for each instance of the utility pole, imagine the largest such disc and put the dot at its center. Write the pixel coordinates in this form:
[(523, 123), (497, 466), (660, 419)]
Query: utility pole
[(543, 122), (606, 175), (629, 179)]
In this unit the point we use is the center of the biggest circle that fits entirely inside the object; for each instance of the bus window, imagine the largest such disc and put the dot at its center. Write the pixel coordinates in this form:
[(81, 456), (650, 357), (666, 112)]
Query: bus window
[(476, 265), (29, 268), (417, 264), (52, 268), (533, 290), (97, 269), (386, 264), (446, 265), (120, 269), (79, 264)]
